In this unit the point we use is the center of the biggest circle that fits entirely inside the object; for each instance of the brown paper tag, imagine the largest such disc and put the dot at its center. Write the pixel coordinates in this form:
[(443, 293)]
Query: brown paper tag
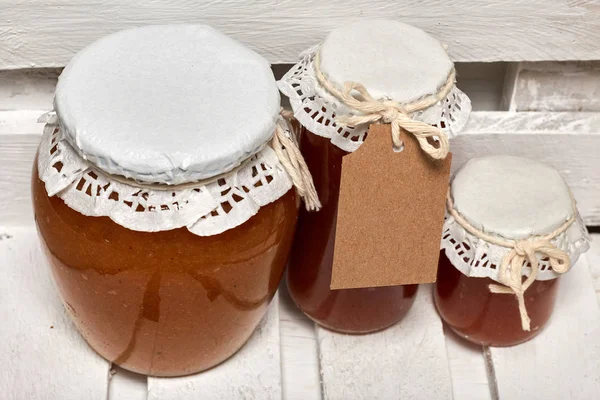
[(390, 215)]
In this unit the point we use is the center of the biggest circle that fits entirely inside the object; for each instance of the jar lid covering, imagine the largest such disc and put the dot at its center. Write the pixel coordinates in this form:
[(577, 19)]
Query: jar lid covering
[(167, 104), (392, 60), (512, 197), (511, 200)]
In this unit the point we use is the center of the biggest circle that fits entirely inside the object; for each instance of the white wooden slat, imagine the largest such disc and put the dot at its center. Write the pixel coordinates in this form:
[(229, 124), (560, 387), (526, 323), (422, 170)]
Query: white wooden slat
[(21, 122), (16, 154), (31, 89), (467, 368), (299, 352), (46, 33), (594, 259), (127, 385), (405, 361), (27, 89), (254, 372), (562, 362), (557, 86), (568, 141), (43, 356)]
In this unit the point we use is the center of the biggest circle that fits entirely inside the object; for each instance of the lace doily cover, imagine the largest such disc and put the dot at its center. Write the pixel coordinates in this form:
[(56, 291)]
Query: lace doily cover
[(195, 109), (205, 210), (399, 78), (198, 109), (512, 205)]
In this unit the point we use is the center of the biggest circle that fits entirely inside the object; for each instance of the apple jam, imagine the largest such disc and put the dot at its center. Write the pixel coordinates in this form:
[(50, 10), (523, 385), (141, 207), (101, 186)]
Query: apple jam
[(309, 272), (480, 316), (164, 303)]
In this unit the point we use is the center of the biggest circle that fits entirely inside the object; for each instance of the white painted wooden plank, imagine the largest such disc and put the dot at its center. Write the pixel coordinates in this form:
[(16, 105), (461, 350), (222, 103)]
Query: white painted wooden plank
[(558, 86), (16, 154), (562, 362), (570, 142), (46, 33), (27, 89), (254, 372), (43, 356), (21, 122), (405, 361), (467, 368), (299, 352), (127, 385), (593, 256)]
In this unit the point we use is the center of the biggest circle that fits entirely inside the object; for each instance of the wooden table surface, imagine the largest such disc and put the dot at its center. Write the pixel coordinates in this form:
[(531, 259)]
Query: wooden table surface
[(288, 357)]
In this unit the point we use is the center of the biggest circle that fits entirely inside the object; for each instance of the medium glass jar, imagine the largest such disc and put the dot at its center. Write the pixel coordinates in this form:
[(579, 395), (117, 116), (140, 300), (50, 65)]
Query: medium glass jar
[(310, 266), (325, 142), (167, 230), (493, 192)]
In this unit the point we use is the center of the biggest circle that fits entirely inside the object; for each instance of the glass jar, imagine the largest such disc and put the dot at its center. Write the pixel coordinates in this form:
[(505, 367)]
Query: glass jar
[(164, 303), (493, 192), (489, 319), (310, 266), (324, 143), (167, 231)]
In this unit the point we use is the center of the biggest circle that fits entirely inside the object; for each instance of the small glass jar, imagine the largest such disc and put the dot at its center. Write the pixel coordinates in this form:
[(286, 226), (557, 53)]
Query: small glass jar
[(167, 229), (396, 74), (506, 198)]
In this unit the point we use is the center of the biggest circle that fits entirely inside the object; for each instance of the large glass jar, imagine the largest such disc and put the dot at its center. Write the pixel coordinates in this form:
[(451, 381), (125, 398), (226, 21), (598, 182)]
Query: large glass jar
[(164, 303), (494, 196), (392, 70), (167, 229)]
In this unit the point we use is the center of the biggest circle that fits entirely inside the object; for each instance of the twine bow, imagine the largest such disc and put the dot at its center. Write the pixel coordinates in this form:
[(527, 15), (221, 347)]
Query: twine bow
[(521, 251), (398, 115), (292, 160), (510, 270)]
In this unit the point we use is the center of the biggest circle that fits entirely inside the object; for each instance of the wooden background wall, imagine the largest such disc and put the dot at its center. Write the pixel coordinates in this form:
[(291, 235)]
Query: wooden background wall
[(532, 70)]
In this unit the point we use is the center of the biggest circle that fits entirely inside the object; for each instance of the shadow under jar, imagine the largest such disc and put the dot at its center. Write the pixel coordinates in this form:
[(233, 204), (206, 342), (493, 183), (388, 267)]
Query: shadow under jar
[(348, 55), (494, 193), (169, 274)]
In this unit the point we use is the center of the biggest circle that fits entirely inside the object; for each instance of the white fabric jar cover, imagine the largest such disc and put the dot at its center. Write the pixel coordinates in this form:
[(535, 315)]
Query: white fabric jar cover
[(394, 61), (511, 198), (143, 114)]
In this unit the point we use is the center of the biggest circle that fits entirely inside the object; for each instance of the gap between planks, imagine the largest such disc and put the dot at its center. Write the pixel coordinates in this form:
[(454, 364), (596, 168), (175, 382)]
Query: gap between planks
[(406, 361)]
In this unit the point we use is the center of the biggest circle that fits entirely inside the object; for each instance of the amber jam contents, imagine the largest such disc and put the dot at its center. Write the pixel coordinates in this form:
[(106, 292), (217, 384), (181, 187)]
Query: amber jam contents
[(309, 271), (471, 310), (164, 303)]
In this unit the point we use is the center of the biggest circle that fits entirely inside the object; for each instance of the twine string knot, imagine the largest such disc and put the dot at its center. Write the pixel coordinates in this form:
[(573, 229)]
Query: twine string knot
[(368, 110)]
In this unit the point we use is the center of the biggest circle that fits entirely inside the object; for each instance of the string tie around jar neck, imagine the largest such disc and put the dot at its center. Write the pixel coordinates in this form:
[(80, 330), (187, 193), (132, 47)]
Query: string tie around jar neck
[(521, 252), (292, 160), (398, 115), (285, 148)]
